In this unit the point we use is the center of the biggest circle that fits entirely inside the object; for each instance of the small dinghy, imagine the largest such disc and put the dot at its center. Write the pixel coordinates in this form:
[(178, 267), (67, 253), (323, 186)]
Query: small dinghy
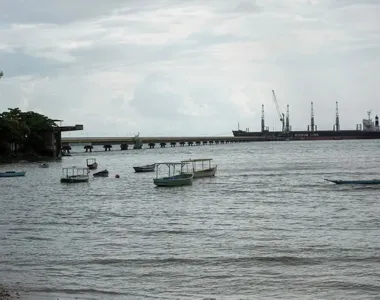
[(365, 181), (103, 173), (91, 163), (44, 165), (12, 174), (172, 179), (74, 175), (203, 171), (146, 168)]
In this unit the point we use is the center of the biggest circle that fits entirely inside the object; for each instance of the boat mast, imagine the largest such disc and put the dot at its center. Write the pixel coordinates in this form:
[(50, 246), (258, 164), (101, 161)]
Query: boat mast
[(262, 118), (287, 119), (312, 126), (337, 126)]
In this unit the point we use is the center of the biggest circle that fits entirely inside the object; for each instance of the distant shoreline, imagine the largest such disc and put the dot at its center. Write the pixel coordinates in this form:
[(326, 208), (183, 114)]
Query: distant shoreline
[(23, 157)]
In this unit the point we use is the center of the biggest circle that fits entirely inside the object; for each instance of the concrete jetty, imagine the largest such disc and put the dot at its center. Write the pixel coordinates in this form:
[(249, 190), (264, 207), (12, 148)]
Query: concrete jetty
[(151, 142)]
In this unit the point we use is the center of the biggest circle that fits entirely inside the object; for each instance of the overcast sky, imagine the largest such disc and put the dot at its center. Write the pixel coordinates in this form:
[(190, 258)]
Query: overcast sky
[(190, 67)]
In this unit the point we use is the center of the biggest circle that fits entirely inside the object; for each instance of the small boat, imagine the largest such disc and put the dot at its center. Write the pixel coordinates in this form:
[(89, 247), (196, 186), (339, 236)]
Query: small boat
[(172, 179), (103, 173), (146, 168), (204, 171), (75, 175), (12, 174), (91, 163), (44, 165), (365, 181)]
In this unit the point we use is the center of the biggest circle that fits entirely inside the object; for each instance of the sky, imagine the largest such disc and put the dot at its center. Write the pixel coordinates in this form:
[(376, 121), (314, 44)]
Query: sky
[(190, 67)]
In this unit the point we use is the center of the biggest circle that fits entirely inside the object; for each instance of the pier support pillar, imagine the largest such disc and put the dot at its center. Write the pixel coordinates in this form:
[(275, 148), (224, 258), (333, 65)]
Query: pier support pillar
[(66, 149), (107, 147), (88, 148), (123, 147)]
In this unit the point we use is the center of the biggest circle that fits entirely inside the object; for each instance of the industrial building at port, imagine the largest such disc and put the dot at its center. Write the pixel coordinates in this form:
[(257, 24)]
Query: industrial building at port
[(367, 130)]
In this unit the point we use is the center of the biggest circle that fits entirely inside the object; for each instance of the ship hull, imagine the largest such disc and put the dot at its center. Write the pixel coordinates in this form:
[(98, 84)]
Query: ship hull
[(308, 135)]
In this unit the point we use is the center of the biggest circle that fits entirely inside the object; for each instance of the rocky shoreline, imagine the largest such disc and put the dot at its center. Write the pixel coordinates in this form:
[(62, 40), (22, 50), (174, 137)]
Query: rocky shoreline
[(6, 294), (23, 157)]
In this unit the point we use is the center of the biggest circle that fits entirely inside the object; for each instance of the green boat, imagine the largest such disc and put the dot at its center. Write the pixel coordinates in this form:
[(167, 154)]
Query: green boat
[(12, 174), (172, 179)]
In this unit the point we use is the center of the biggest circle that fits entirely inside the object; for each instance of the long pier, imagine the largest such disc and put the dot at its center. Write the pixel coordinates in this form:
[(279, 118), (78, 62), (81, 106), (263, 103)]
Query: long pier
[(125, 142)]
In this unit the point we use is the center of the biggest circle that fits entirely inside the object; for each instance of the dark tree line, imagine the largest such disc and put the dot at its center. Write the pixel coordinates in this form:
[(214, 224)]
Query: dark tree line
[(23, 130)]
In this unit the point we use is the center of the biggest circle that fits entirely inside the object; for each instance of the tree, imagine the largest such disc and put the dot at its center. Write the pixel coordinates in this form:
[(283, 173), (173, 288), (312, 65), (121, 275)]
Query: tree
[(24, 129)]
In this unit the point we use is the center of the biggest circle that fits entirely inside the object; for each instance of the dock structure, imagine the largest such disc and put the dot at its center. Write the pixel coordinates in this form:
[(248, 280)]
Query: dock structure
[(125, 142), (52, 140)]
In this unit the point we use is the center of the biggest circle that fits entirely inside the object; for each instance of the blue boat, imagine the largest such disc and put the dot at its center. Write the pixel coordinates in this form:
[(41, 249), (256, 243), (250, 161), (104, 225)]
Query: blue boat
[(12, 174), (367, 181)]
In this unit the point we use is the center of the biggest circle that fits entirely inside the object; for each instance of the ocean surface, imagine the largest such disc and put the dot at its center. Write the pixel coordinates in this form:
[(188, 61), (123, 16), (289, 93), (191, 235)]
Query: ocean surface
[(267, 226)]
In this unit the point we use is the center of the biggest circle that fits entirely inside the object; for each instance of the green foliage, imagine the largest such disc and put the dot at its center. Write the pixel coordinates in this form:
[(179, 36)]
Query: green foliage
[(23, 128)]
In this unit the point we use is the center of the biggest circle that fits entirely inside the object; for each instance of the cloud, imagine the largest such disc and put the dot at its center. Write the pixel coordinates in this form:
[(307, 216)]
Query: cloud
[(189, 67)]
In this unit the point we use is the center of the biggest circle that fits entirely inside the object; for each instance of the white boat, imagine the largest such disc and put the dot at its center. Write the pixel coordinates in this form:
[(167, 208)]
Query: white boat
[(202, 169), (172, 179), (75, 175)]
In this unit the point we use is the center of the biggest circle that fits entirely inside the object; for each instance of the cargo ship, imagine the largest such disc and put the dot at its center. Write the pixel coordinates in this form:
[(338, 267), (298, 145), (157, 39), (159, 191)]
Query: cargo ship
[(369, 129)]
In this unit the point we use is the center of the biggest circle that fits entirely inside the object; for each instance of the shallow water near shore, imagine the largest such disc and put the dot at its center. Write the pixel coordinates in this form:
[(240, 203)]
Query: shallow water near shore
[(267, 226)]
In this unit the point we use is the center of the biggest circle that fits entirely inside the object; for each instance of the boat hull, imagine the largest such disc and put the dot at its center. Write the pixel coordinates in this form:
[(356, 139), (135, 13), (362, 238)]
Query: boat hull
[(75, 179), (204, 173), (147, 168), (93, 166), (177, 180), (370, 181), (307, 135), (12, 174), (103, 173)]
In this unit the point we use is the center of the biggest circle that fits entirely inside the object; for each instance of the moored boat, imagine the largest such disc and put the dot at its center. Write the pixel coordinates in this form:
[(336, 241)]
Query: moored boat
[(91, 163), (74, 175), (363, 181), (172, 179), (206, 170), (44, 165), (103, 173), (146, 168), (12, 174)]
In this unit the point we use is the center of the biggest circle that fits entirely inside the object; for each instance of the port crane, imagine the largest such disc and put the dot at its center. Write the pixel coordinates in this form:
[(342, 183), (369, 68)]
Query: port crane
[(279, 112)]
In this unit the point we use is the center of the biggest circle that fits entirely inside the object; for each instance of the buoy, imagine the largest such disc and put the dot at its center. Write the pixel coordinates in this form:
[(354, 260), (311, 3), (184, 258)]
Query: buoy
[(117, 176)]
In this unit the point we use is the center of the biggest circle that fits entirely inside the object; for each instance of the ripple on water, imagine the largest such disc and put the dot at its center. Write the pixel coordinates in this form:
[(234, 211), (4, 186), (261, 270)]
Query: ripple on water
[(266, 227)]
